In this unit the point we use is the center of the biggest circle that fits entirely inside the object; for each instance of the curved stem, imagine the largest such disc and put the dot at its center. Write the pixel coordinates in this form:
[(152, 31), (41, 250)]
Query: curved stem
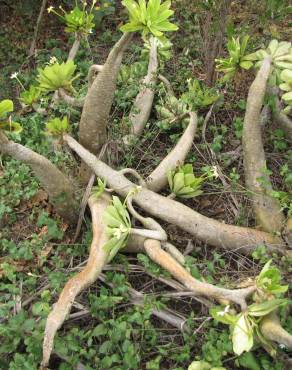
[(75, 47), (271, 329), (203, 228), (151, 234), (96, 261), (99, 98), (73, 102), (174, 252), (158, 255), (266, 208), (92, 72), (143, 104), (281, 118), (167, 85), (158, 178), (58, 187), (133, 172)]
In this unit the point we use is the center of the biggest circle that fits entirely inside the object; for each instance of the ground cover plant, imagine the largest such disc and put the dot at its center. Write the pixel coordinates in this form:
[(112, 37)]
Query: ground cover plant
[(146, 184)]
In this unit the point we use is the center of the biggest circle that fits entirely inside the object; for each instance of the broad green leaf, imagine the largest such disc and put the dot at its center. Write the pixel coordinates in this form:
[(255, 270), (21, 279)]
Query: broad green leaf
[(178, 182), (199, 365), (286, 75), (242, 335), (11, 126), (273, 46), (6, 106), (246, 64), (287, 97), (285, 87), (263, 309), (57, 126), (221, 314)]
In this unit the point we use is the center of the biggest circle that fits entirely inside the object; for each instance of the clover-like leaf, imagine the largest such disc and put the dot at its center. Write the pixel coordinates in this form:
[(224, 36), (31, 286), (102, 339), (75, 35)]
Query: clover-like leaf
[(151, 17)]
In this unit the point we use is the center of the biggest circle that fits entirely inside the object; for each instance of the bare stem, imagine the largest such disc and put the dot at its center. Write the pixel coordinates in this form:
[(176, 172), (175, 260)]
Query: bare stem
[(158, 255), (58, 187), (96, 261), (266, 208)]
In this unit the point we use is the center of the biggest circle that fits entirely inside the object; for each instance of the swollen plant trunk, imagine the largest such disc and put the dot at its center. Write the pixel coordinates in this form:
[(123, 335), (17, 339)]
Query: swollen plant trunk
[(271, 329), (56, 184), (98, 102), (144, 100), (96, 261), (266, 208), (203, 228), (158, 178)]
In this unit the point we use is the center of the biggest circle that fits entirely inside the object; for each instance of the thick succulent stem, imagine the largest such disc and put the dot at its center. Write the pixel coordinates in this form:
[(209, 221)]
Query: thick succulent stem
[(266, 208), (281, 118), (92, 73), (203, 228), (158, 178), (69, 100), (271, 329), (143, 103), (96, 261), (98, 102), (56, 184), (158, 255)]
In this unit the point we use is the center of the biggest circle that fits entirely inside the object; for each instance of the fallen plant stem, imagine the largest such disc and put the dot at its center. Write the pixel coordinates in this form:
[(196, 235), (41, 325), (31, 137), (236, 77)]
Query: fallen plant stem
[(157, 180), (205, 229), (96, 261), (58, 187), (158, 255)]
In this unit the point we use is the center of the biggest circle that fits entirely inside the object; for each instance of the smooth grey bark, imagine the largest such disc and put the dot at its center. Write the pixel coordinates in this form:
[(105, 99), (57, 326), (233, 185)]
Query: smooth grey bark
[(203, 228), (266, 208), (143, 103), (99, 98), (60, 190), (158, 178)]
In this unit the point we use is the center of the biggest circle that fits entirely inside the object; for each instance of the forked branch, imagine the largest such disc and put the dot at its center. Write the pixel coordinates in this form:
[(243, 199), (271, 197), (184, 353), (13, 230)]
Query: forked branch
[(203, 228), (96, 261)]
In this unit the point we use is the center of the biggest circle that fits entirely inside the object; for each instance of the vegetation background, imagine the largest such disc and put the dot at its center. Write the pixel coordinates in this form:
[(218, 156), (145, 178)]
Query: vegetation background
[(105, 329)]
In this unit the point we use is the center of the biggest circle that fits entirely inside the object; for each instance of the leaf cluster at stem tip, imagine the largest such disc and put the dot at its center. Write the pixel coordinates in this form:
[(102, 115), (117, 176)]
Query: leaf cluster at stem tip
[(149, 18)]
